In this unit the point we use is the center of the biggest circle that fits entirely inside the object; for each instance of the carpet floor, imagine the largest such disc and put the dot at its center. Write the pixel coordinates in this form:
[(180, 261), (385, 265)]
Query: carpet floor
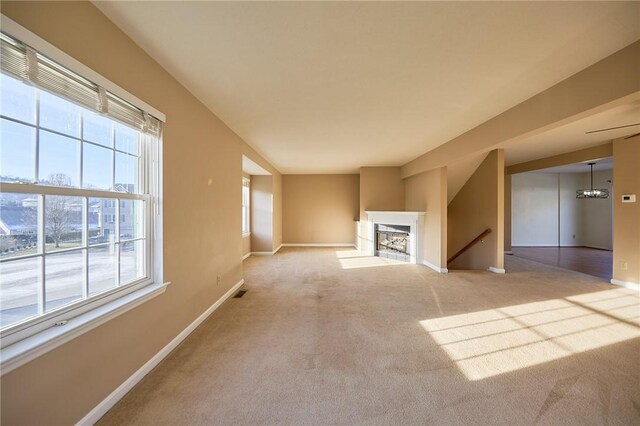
[(328, 336)]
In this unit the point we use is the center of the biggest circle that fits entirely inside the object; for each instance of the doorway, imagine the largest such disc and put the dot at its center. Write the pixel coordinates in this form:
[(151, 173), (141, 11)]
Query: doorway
[(552, 225)]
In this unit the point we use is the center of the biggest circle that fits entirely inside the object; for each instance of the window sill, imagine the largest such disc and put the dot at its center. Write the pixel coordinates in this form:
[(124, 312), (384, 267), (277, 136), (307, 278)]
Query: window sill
[(246, 234), (20, 353)]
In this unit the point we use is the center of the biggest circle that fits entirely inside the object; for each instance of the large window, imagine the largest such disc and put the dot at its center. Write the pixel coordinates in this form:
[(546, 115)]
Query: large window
[(77, 189), (245, 206)]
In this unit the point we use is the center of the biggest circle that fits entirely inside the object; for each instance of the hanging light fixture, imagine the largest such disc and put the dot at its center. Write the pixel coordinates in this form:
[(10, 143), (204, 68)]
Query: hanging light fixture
[(592, 193)]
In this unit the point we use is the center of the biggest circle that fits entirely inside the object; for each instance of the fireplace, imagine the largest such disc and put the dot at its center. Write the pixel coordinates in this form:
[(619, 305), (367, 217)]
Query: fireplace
[(392, 241), (393, 234)]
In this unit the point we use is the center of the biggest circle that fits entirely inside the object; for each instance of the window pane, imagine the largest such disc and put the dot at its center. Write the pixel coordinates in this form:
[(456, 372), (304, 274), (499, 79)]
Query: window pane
[(131, 219), (132, 264), (126, 139), (63, 222), (96, 128), (101, 228), (19, 220), (103, 268), (59, 115), (17, 152), (245, 220), (19, 284), (97, 167), (126, 173), (17, 100), (59, 160), (64, 278)]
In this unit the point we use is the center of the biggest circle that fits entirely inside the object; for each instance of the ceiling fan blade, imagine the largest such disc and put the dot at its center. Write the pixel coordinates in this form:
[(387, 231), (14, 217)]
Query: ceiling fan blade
[(632, 136), (612, 128)]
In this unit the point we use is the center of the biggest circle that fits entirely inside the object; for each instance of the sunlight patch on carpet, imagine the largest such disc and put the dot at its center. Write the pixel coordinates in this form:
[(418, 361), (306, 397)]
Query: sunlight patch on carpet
[(496, 341), (354, 259)]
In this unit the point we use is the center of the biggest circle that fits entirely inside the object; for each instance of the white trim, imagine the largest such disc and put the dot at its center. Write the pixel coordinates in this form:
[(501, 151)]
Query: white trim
[(434, 267), (394, 212), (497, 270), (266, 253), (561, 246), (626, 284), (21, 33), (23, 351), (535, 245), (105, 405), (319, 245), (596, 247), (246, 234), (246, 256)]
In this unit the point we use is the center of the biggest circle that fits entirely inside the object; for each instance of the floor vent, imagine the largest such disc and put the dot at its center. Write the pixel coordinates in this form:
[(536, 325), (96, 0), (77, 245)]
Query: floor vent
[(240, 294)]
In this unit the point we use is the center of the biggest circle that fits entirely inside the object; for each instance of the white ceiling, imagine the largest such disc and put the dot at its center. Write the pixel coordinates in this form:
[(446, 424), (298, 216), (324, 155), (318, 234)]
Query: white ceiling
[(601, 165), (573, 136), (250, 167), (328, 87)]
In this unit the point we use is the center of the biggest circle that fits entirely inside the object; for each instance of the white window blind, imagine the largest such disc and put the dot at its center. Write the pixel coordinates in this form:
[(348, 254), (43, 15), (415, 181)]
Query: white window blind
[(25, 63)]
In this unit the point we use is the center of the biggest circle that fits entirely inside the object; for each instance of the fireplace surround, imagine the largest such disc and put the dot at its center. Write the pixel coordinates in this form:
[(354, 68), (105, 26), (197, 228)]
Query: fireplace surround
[(394, 234)]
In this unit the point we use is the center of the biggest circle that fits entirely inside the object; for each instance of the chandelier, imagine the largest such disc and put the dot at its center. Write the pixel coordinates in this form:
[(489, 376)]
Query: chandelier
[(592, 193)]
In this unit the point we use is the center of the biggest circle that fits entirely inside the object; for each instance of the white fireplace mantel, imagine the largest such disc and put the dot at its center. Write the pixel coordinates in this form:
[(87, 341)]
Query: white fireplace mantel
[(413, 219)]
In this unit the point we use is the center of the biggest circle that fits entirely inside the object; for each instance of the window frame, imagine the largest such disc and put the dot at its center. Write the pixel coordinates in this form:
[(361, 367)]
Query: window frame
[(31, 337), (246, 206), (43, 320)]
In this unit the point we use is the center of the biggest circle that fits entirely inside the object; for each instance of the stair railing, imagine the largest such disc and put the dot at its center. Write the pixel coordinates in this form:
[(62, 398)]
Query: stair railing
[(473, 242)]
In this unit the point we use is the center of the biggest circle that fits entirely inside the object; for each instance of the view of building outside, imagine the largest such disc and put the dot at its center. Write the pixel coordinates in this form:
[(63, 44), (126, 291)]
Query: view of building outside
[(64, 229), (47, 141)]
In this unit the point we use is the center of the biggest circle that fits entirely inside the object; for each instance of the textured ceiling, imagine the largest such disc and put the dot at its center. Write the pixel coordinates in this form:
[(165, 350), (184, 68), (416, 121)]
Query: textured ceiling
[(327, 87)]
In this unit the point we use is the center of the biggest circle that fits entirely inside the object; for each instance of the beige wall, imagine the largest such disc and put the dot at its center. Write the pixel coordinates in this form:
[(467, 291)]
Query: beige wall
[(626, 216), (428, 192), (607, 83), (262, 203), (477, 206), (320, 209), (246, 245), (382, 189), (202, 224)]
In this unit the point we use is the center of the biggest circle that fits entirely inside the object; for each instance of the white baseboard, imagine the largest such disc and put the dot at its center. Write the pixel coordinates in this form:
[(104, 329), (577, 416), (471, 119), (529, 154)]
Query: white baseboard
[(626, 284), (560, 246), (106, 404), (262, 253), (319, 245), (597, 247), (497, 270), (246, 256), (434, 267)]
